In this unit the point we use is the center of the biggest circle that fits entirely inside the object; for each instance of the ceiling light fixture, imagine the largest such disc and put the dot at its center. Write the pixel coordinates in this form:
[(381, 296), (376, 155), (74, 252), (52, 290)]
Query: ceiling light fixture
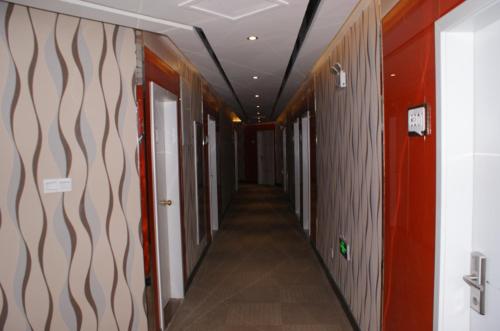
[(258, 106), (255, 77), (257, 96), (252, 38)]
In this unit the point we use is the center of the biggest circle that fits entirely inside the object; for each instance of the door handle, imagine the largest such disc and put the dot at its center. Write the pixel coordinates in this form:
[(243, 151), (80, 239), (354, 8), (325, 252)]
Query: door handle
[(477, 282), (473, 281), (166, 202)]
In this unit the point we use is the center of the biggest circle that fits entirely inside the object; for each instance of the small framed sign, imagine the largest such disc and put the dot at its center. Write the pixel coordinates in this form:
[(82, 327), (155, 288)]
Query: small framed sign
[(418, 123)]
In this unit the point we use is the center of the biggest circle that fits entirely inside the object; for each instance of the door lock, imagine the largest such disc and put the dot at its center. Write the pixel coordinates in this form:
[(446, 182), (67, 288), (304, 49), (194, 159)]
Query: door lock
[(166, 202), (477, 281)]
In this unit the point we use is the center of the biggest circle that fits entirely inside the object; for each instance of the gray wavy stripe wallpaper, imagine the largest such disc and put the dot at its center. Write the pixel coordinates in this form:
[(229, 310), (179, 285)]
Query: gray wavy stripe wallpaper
[(73, 260), (349, 164)]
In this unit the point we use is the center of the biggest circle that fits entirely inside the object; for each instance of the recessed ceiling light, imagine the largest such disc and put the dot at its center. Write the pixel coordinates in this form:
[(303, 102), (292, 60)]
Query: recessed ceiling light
[(255, 77), (258, 106), (252, 38), (257, 96), (393, 75)]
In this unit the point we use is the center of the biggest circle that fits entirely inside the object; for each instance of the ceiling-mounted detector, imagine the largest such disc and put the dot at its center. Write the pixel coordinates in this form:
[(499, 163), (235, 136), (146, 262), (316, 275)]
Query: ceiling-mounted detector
[(340, 75)]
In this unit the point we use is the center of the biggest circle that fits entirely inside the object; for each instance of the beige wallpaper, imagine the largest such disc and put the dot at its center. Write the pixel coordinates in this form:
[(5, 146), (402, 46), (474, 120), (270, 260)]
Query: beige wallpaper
[(70, 261), (349, 161)]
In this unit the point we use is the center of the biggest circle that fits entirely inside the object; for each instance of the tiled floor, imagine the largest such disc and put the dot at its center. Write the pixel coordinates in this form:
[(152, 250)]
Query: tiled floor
[(260, 274)]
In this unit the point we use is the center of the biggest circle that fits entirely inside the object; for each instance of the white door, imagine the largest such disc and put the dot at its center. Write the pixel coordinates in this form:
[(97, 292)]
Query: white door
[(165, 160), (212, 169), (468, 178), (306, 184), (265, 157), (296, 168)]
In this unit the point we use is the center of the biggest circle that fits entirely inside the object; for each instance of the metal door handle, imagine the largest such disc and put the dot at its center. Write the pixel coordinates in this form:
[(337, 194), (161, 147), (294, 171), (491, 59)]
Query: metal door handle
[(477, 282), (166, 202), (473, 281)]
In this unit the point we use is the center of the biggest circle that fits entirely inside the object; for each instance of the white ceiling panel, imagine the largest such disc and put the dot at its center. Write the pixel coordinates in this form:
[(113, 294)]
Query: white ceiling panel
[(227, 24), (329, 19)]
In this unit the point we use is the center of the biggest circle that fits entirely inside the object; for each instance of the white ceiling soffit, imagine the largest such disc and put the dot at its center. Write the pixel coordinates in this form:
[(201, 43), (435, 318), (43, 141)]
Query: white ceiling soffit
[(116, 15), (234, 9), (227, 24), (330, 17)]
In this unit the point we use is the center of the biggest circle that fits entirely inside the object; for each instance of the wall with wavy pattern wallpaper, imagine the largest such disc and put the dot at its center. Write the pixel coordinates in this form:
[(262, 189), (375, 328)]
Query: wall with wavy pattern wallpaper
[(70, 261), (349, 162)]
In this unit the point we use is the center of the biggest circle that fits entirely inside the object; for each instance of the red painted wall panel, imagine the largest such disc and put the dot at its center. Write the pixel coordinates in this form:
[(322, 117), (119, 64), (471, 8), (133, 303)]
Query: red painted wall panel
[(410, 164)]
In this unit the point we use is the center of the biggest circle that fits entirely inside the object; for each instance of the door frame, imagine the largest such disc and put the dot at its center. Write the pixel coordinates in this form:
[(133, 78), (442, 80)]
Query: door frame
[(206, 182), (209, 111), (306, 171), (297, 167), (157, 71), (176, 288), (212, 171), (454, 157)]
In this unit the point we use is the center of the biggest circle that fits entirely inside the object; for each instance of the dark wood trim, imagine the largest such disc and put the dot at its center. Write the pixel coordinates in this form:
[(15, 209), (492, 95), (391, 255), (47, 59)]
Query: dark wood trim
[(143, 173), (157, 71), (336, 289)]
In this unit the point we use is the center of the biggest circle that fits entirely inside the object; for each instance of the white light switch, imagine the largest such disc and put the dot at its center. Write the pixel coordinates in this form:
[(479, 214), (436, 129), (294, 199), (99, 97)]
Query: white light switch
[(417, 121), (57, 185)]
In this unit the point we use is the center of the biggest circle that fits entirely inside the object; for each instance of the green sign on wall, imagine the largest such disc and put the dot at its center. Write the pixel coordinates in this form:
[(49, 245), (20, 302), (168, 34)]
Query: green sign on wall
[(344, 248)]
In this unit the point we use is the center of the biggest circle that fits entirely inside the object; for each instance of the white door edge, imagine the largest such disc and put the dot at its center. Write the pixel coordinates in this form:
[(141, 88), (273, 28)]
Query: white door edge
[(454, 126)]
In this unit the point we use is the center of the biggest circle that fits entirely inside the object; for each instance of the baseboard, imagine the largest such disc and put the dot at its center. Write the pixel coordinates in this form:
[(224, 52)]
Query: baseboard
[(337, 291), (196, 267), (170, 310)]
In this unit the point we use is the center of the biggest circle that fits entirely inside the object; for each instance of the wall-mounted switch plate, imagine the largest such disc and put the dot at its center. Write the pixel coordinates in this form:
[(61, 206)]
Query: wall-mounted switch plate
[(417, 121), (342, 79), (57, 185)]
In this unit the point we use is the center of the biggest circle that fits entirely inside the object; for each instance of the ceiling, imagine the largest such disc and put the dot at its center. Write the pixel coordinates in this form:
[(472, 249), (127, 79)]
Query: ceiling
[(226, 25)]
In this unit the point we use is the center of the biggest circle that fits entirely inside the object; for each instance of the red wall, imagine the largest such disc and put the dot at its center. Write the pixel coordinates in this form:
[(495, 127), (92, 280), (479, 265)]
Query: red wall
[(410, 165)]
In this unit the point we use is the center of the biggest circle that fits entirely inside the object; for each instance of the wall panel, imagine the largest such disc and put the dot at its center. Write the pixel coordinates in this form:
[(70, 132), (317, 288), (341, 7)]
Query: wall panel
[(410, 164), (349, 164), (70, 260)]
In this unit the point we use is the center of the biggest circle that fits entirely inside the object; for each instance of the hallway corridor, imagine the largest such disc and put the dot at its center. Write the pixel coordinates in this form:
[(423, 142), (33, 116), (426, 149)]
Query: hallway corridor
[(260, 273)]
